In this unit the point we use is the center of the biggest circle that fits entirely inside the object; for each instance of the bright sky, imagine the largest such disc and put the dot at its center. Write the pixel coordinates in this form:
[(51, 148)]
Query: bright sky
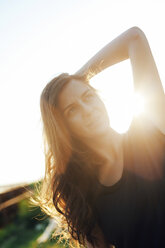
[(42, 38)]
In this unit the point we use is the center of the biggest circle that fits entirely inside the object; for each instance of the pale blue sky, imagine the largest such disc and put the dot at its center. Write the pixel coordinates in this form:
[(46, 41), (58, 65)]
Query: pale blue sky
[(40, 39)]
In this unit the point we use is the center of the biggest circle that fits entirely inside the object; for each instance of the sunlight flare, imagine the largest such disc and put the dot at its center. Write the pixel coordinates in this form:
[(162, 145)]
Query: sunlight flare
[(138, 104), (117, 92), (121, 112)]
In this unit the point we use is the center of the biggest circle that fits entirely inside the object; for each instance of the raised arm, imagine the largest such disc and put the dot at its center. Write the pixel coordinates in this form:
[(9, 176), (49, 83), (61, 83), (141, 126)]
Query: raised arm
[(114, 52), (133, 45)]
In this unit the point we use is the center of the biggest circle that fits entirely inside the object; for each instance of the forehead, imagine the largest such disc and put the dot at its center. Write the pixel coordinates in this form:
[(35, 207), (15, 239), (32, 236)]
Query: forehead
[(71, 91)]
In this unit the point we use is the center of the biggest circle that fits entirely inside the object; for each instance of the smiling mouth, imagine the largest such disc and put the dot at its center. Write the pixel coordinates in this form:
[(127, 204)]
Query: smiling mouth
[(93, 122)]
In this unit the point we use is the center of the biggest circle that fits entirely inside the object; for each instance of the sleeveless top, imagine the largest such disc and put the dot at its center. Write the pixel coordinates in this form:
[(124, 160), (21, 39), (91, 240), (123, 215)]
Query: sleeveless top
[(131, 213)]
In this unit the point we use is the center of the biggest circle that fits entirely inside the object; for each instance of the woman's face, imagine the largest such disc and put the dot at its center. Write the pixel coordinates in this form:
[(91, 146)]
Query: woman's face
[(83, 111)]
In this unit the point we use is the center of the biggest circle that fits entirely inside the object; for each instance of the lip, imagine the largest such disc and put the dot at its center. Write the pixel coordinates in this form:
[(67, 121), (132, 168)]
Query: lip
[(92, 122)]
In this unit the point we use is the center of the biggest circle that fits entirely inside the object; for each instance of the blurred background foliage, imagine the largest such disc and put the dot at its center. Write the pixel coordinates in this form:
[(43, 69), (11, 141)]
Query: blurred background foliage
[(25, 227)]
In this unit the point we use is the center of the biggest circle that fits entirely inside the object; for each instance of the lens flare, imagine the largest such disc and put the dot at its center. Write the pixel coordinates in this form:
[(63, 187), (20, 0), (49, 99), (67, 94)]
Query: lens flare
[(138, 104)]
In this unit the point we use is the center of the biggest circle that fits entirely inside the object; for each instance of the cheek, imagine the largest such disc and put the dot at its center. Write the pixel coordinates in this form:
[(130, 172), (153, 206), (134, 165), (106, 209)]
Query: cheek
[(75, 122), (99, 105)]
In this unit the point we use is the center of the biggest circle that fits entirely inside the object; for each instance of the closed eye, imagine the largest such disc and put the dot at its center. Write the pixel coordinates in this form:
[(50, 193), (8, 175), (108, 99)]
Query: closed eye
[(72, 110), (89, 96)]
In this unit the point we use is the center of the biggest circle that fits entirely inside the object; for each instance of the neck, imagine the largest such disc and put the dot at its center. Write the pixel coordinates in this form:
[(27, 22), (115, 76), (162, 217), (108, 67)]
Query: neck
[(108, 146)]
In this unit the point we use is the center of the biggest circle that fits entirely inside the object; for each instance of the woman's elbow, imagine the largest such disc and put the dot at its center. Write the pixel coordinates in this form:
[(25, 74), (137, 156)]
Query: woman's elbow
[(138, 36), (137, 32)]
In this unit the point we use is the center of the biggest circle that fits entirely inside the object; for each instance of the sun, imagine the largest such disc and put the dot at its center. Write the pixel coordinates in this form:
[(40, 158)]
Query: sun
[(117, 92), (138, 104), (122, 112)]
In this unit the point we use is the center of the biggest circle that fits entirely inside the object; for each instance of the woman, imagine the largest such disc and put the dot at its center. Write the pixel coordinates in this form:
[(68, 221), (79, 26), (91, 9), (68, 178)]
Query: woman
[(108, 188)]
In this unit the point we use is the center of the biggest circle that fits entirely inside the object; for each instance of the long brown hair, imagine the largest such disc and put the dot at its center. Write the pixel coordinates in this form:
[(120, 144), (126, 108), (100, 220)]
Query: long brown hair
[(68, 190)]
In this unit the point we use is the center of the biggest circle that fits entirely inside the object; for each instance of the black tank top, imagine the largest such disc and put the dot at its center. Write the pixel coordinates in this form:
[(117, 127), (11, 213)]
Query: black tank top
[(131, 213)]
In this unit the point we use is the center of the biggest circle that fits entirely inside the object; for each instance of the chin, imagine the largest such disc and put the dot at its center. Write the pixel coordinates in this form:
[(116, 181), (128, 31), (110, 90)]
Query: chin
[(100, 131)]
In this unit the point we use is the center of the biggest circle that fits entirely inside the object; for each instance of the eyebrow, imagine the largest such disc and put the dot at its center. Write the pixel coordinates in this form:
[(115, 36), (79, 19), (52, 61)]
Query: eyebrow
[(72, 104)]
